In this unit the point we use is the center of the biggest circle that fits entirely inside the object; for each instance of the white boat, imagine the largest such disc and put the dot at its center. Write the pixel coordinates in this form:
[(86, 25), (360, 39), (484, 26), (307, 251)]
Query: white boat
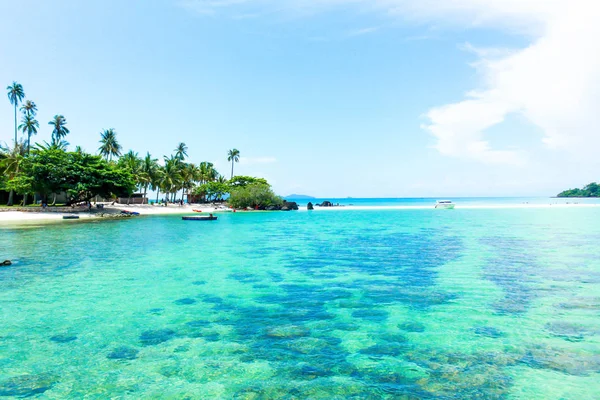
[(446, 204)]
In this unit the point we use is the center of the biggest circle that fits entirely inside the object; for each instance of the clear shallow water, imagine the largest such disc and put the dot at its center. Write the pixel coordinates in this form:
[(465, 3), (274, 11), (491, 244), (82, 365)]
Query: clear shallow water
[(460, 201), (498, 303)]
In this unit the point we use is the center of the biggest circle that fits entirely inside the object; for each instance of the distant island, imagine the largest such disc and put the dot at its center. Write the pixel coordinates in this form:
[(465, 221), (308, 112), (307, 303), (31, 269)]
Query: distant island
[(591, 190), (299, 197)]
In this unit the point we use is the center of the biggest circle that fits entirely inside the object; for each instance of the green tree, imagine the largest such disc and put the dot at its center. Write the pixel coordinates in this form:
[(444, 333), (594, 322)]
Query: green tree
[(234, 156), (212, 191), (29, 126), (171, 177), (109, 146), (15, 96), (181, 151), (255, 195), (10, 165), (80, 175), (60, 130), (148, 170), (29, 108), (132, 163), (243, 181)]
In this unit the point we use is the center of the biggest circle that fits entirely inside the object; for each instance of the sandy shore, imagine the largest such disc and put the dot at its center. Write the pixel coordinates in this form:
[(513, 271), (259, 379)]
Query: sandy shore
[(18, 216)]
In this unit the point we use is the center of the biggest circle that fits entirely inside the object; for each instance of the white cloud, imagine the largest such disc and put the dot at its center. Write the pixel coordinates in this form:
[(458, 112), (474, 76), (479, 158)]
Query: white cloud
[(257, 160), (554, 82)]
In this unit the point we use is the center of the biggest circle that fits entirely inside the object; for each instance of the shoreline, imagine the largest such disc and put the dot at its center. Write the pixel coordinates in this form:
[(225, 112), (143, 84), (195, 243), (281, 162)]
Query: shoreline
[(151, 210)]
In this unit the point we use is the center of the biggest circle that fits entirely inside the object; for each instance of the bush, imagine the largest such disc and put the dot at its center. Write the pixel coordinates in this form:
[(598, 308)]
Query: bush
[(255, 195)]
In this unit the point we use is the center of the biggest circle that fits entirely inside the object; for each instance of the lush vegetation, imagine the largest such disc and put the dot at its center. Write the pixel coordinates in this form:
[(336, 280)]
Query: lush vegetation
[(591, 190), (255, 195), (49, 169)]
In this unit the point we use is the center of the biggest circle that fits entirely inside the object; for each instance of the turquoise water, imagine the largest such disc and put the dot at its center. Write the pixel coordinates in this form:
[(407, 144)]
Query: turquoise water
[(473, 303), (460, 201)]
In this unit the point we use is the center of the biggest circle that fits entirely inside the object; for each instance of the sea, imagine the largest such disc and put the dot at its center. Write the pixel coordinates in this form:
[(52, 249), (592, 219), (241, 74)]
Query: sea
[(481, 302)]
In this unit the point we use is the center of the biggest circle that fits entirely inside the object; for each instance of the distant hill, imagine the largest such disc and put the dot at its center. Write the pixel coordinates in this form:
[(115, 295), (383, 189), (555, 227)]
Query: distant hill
[(591, 190), (299, 196)]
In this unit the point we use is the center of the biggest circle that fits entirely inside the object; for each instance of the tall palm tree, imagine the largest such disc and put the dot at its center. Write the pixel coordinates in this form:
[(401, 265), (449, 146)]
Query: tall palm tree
[(157, 178), (171, 175), (29, 108), (10, 165), (181, 151), (15, 96), (29, 126), (59, 130), (109, 145), (133, 163), (147, 172), (234, 156)]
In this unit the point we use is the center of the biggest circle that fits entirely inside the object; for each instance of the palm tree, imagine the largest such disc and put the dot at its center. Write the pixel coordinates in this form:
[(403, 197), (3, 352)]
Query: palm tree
[(29, 126), (234, 156), (147, 172), (172, 175), (10, 165), (29, 108), (60, 130), (15, 96), (133, 163), (157, 178), (181, 151), (109, 145)]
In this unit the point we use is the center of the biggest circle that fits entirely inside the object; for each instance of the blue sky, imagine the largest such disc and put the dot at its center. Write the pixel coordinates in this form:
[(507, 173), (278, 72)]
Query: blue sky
[(339, 98)]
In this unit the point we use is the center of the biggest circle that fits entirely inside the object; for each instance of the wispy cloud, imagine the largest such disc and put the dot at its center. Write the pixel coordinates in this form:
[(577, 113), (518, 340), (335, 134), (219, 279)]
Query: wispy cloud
[(553, 82)]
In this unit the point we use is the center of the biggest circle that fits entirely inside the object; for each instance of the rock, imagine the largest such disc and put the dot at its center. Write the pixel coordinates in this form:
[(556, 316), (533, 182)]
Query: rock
[(289, 205), (5, 263), (63, 338), (310, 206), (153, 337), (185, 301), (26, 385), (123, 353), (326, 204)]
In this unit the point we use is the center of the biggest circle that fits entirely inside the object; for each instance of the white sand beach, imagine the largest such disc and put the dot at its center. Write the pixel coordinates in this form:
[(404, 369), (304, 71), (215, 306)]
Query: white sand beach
[(145, 210)]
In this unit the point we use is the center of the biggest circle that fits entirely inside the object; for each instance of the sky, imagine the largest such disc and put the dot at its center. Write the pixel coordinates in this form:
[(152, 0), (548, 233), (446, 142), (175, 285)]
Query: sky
[(330, 98)]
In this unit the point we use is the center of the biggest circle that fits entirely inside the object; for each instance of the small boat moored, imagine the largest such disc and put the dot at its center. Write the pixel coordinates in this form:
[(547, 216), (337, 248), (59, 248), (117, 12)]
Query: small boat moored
[(444, 204), (70, 217), (202, 218)]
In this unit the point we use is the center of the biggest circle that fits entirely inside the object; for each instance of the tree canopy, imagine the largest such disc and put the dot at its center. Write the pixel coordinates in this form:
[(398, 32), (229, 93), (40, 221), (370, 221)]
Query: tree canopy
[(80, 175), (590, 190)]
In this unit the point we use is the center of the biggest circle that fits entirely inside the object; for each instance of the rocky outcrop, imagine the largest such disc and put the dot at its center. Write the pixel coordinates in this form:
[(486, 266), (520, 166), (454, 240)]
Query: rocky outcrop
[(5, 263), (326, 204), (289, 205), (310, 206)]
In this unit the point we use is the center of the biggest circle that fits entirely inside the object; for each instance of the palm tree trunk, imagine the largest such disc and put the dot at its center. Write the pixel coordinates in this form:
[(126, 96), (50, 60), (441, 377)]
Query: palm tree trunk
[(157, 193), (144, 201), (10, 198), (54, 200), (28, 143), (231, 169), (25, 199), (15, 123)]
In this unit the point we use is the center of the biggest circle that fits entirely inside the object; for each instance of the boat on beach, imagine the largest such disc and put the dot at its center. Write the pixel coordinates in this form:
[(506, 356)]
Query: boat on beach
[(70, 217), (198, 218), (444, 204)]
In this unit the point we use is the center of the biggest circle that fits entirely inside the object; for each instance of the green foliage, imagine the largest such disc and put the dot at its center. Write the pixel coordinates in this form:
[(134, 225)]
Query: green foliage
[(591, 190), (243, 181), (253, 195), (81, 175), (212, 191)]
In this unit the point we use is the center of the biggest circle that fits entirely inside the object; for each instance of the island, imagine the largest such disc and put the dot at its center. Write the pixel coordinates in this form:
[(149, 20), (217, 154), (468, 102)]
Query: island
[(299, 197), (590, 190)]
